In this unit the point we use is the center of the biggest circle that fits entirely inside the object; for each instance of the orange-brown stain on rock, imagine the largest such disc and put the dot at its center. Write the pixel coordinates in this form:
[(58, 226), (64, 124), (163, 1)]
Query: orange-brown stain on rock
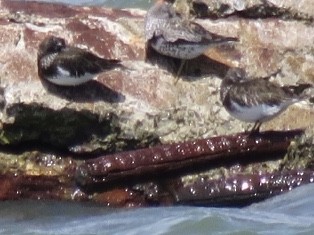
[(76, 25), (104, 43), (120, 197), (50, 10)]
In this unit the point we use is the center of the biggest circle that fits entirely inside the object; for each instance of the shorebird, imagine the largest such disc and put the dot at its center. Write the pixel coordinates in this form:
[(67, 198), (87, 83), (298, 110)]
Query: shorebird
[(172, 35), (257, 100), (69, 66)]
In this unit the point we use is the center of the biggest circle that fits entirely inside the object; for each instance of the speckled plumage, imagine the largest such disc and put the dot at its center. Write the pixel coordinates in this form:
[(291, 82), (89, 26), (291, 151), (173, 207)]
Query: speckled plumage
[(172, 35), (254, 100), (69, 66)]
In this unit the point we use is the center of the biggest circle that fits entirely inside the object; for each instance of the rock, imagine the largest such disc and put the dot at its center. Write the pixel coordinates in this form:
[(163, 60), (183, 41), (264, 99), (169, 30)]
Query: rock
[(139, 106)]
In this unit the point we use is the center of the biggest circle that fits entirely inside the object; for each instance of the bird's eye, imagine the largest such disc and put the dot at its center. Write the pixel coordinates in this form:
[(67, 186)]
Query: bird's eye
[(59, 45)]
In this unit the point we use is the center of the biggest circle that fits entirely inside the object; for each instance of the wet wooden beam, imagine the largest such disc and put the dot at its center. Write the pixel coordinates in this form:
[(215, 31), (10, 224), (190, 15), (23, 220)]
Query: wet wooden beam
[(173, 157)]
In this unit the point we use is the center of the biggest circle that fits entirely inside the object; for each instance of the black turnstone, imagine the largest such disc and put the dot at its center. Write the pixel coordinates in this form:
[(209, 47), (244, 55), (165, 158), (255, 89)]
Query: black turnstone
[(256, 100), (69, 66), (170, 34)]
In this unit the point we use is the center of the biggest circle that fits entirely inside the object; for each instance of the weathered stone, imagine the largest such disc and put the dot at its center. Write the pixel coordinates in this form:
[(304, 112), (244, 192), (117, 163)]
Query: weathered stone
[(302, 10), (139, 106)]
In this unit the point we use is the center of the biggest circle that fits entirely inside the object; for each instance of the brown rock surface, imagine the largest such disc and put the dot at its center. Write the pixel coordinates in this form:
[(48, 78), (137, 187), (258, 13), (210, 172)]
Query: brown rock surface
[(139, 106)]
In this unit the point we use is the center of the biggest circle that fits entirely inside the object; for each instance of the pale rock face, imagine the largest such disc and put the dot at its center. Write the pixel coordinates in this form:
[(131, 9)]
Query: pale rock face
[(141, 102), (261, 50)]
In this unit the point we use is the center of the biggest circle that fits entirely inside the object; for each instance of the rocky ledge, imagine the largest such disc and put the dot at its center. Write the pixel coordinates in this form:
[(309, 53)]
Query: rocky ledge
[(131, 137)]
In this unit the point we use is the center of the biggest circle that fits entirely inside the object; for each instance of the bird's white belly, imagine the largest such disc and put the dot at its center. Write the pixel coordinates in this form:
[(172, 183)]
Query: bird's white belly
[(64, 79), (70, 81), (261, 112), (178, 50)]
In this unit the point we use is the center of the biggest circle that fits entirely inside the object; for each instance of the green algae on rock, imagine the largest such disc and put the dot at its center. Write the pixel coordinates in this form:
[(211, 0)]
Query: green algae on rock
[(65, 128)]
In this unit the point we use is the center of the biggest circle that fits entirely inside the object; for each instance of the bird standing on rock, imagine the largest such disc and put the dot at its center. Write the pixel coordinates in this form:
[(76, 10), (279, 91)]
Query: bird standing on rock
[(257, 100), (172, 35), (69, 66)]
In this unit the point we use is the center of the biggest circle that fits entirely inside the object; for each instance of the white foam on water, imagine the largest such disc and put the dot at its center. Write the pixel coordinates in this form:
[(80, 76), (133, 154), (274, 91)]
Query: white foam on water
[(290, 213)]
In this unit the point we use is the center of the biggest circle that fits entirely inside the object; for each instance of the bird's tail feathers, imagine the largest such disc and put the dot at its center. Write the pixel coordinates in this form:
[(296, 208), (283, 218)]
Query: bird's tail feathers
[(304, 90), (224, 40), (111, 64)]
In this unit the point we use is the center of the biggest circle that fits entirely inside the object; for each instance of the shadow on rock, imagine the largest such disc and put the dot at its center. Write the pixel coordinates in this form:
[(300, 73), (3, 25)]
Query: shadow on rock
[(91, 91), (193, 69)]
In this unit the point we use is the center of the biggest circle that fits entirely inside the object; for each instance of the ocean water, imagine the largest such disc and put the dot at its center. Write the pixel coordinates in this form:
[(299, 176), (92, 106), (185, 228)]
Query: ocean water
[(290, 213)]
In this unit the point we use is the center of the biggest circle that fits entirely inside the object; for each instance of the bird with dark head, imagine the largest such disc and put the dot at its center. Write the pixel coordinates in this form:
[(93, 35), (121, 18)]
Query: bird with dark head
[(69, 66), (170, 34), (257, 100)]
